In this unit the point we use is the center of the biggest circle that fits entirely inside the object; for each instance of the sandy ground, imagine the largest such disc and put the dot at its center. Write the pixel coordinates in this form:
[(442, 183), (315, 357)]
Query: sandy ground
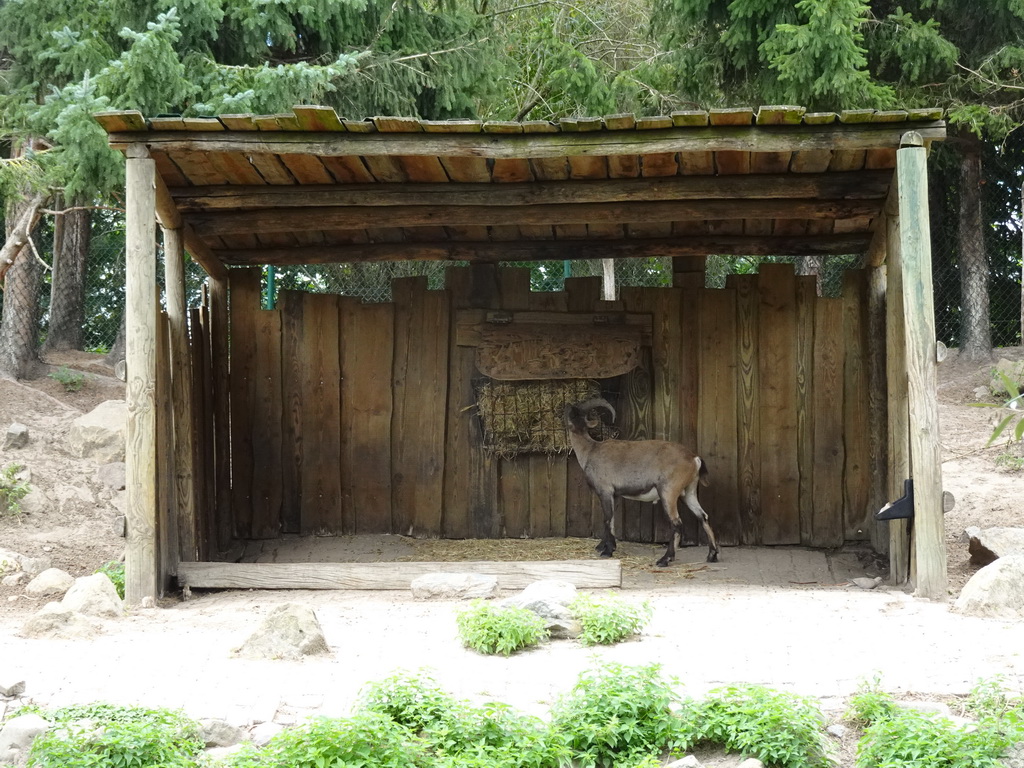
[(784, 617)]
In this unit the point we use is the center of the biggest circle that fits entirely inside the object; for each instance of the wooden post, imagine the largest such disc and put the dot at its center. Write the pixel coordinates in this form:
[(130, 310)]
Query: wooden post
[(181, 394), (919, 309), (141, 568), (896, 387)]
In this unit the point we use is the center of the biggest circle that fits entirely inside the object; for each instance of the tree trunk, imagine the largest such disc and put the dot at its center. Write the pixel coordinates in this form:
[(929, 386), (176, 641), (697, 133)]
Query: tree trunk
[(811, 265), (71, 236), (21, 278), (975, 339)]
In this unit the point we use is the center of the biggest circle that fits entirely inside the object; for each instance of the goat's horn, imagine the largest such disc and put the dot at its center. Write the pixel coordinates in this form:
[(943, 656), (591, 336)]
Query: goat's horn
[(597, 402)]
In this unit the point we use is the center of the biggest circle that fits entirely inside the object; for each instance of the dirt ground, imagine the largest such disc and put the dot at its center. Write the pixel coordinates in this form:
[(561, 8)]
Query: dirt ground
[(783, 617)]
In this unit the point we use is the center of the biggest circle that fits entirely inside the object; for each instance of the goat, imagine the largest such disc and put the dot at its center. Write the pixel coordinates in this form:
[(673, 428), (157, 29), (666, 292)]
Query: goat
[(644, 470)]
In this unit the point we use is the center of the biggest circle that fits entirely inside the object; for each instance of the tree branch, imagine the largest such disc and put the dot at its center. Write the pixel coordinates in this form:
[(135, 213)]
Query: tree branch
[(19, 236)]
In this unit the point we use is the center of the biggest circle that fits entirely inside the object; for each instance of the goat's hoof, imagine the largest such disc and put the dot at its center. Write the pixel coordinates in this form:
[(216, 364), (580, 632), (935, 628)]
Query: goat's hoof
[(663, 563), (606, 554), (712, 557)]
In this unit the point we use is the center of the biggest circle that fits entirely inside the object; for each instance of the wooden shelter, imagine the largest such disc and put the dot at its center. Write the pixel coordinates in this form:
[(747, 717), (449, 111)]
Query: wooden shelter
[(329, 416)]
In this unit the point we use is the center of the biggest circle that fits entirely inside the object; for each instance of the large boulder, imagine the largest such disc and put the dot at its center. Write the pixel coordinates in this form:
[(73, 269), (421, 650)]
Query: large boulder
[(988, 544), (454, 586), (996, 591), (290, 632), (94, 596), (549, 599), (17, 735), (100, 434)]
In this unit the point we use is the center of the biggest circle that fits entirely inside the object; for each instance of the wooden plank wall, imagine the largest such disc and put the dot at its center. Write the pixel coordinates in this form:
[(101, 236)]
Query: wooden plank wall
[(356, 418)]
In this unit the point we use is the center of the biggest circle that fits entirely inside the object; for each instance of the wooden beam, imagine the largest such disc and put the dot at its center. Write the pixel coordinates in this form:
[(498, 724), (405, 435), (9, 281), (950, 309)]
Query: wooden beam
[(202, 254), (919, 308), (511, 575), (141, 565), (880, 239), (780, 138), (822, 186), (530, 250), (298, 220), (181, 395)]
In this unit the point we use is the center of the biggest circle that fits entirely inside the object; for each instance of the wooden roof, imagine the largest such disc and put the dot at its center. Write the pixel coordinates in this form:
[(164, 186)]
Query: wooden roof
[(309, 187)]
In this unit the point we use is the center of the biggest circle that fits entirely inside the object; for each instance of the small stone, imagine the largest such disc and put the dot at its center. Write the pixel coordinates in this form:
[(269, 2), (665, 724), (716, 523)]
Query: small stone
[(120, 526), (33, 566), (147, 602), (56, 620), (94, 596), (291, 631), (690, 761), (10, 562), (866, 583), (927, 707), (564, 629), (262, 733), (16, 437), (14, 579), (837, 730), (19, 732), (751, 762), (112, 475), (220, 754), (11, 688)]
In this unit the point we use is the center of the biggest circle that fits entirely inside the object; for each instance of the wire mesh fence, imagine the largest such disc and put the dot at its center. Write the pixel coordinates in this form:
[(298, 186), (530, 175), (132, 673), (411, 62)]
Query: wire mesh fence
[(977, 280)]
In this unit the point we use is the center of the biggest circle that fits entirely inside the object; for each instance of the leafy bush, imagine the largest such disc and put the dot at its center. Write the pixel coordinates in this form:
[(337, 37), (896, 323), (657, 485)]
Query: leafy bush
[(114, 570), (617, 715), (870, 704), (779, 728), (367, 739), (492, 629), (413, 700), (110, 735), (608, 620), (911, 739), (12, 489), (71, 380)]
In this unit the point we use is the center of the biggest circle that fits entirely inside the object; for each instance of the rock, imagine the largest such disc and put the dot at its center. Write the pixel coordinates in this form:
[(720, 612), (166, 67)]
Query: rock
[(927, 707), (690, 761), (33, 566), (866, 583), (995, 591), (751, 762), (1014, 371), (220, 733), (35, 502), (100, 434), (563, 629), (10, 562), (112, 475), (16, 437), (989, 544), (291, 631), (59, 621), (53, 582), (454, 586), (19, 733), (14, 579), (547, 598), (11, 688), (838, 730), (119, 526), (94, 596), (262, 733)]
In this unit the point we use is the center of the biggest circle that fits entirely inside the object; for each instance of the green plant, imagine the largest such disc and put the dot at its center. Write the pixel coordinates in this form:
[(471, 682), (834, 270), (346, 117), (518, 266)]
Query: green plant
[(492, 629), (12, 489), (1014, 404), (415, 701), (777, 727), (114, 570), (1009, 461), (110, 735), (71, 380), (608, 620), (910, 739), (870, 704), (619, 715), (366, 739)]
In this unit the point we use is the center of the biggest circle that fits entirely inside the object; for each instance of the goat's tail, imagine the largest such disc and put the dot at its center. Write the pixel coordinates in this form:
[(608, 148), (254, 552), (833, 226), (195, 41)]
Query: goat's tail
[(702, 473)]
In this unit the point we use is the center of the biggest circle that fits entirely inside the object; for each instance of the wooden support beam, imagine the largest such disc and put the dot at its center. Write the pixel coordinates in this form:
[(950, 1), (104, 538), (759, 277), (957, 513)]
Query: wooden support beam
[(181, 394), (748, 138), (511, 575), (822, 186), (292, 220), (922, 378), (141, 566), (880, 239), (538, 250)]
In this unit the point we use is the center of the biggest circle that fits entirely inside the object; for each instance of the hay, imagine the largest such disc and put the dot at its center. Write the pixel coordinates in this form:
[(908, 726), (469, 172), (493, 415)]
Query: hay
[(526, 416)]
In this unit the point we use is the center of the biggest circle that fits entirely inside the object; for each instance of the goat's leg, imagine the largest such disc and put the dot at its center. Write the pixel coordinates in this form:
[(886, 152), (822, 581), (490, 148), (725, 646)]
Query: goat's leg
[(669, 497), (691, 501), (606, 546)]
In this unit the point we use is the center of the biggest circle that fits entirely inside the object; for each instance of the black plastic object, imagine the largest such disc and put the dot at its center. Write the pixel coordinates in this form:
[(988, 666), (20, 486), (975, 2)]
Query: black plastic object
[(902, 508)]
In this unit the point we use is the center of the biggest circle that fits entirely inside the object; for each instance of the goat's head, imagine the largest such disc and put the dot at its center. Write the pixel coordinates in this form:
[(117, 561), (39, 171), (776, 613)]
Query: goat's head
[(581, 417)]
